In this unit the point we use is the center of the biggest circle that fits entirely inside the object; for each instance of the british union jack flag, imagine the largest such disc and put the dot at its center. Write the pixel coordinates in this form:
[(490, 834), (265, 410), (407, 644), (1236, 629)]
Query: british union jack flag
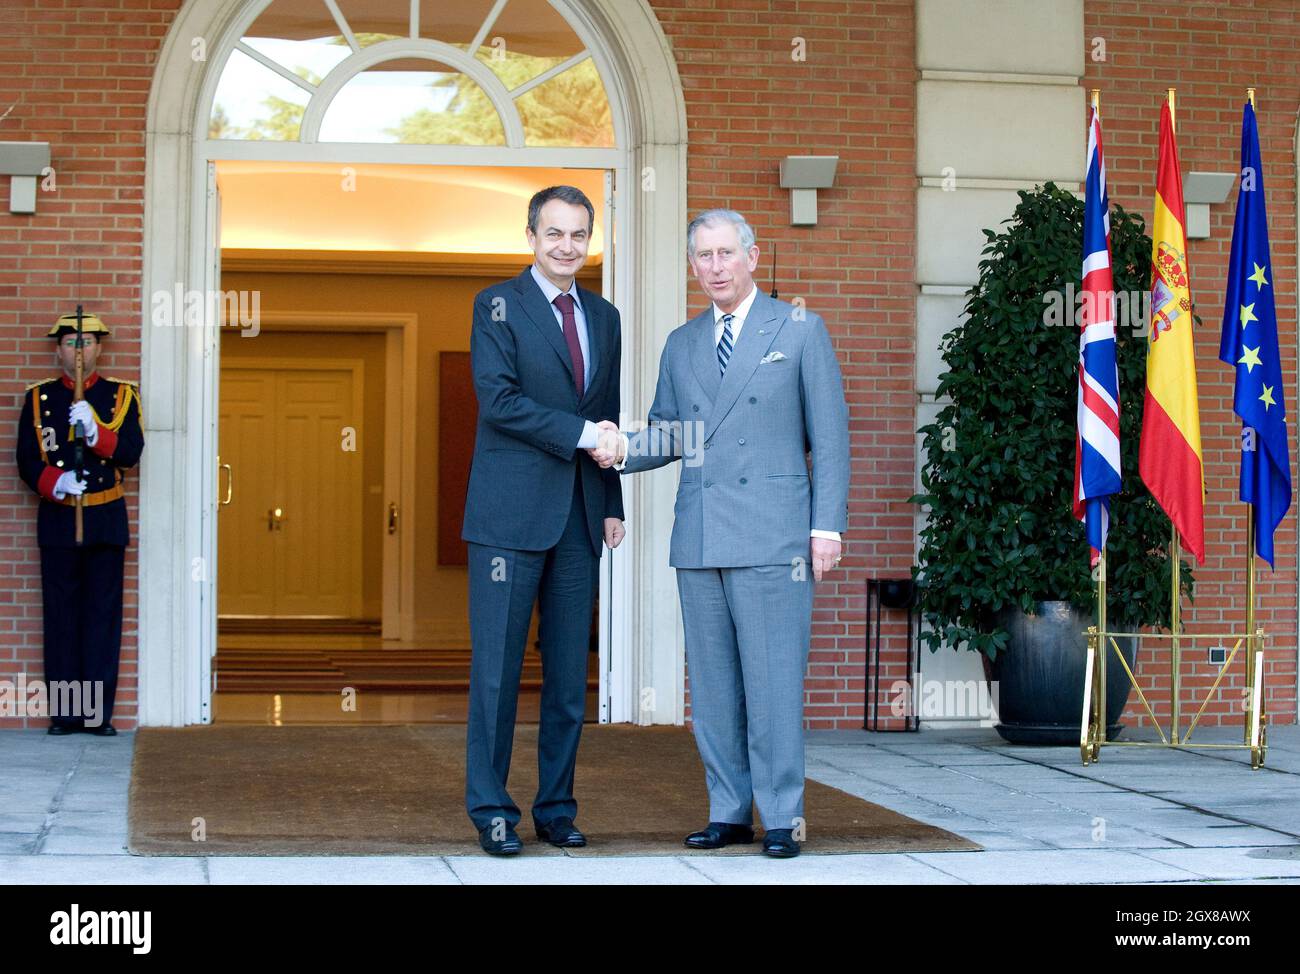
[(1096, 462)]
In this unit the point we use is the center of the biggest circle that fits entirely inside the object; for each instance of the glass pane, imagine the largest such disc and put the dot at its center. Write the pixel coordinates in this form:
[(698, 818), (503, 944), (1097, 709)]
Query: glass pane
[(253, 102), (453, 23), (570, 109), (299, 34), (527, 39), (426, 107), (373, 21)]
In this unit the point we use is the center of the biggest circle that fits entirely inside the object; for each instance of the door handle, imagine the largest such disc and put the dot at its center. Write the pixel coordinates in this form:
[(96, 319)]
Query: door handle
[(275, 519), (230, 482), (392, 518)]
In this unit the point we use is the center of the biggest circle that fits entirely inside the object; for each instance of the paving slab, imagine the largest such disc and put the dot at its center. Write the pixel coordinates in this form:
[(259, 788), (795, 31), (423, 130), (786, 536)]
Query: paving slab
[(97, 870), (330, 870), (884, 869), (1233, 863), (94, 844), (550, 870), (1033, 867)]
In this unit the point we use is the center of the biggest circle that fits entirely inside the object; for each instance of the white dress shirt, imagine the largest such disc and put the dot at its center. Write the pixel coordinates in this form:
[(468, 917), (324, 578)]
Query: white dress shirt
[(737, 321), (590, 432)]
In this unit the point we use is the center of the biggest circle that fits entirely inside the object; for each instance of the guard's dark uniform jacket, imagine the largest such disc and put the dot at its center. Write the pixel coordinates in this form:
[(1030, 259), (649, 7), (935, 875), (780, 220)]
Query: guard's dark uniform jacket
[(45, 452), (81, 584)]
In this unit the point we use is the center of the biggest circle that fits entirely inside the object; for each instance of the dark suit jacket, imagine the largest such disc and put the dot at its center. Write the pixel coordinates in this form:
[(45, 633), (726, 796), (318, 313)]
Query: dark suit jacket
[(45, 405), (526, 457)]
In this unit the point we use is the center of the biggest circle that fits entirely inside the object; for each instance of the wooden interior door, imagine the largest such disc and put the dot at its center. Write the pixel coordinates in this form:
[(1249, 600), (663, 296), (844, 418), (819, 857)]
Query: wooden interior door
[(318, 549), (290, 540), (248, 442)]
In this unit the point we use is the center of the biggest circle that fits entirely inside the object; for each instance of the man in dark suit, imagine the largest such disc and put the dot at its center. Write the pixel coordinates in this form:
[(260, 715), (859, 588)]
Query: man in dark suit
[(81, 583), (545, 355)]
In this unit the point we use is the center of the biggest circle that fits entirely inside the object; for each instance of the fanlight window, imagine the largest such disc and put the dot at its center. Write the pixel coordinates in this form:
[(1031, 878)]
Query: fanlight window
[(430, 72)]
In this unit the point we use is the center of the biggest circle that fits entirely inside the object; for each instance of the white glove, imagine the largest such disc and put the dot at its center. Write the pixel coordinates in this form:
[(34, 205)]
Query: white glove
[(68, 484), (80, 412)]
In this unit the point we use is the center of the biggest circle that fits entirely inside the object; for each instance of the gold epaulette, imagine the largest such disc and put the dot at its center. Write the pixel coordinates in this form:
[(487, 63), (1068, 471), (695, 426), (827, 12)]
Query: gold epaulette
[(128, 382), (40, 382), (121, 405)]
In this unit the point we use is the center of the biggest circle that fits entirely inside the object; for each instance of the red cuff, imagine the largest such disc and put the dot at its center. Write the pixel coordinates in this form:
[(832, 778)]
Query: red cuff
[(45, 486), (106, 443)]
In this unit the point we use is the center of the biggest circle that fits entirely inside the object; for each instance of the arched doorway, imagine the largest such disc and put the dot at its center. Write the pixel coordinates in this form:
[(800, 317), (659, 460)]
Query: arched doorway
[(622, 47)]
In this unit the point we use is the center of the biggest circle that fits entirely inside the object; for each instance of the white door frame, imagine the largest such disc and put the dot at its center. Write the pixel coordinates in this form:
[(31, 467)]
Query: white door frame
[(178, 365), (401, 337)]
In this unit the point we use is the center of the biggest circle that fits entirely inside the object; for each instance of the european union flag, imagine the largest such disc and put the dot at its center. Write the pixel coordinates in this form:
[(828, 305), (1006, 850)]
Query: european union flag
[(1249, 342)]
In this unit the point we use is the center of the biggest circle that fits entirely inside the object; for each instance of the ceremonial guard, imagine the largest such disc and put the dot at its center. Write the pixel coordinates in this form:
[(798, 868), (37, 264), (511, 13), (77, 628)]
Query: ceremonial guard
[(77, 435)]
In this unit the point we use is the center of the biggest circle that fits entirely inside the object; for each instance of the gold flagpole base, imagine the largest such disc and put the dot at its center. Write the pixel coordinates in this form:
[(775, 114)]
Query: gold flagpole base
[(1092, 731)]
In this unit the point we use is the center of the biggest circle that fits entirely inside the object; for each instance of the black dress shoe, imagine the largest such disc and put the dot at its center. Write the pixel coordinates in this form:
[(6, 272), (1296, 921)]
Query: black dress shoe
[(59, 730), (508, 845), (103, 730), (718, 834), (561, 833), (780, 844)]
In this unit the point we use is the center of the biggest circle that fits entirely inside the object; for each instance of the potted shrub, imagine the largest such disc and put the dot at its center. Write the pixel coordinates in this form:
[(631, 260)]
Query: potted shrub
[(1003, 567)]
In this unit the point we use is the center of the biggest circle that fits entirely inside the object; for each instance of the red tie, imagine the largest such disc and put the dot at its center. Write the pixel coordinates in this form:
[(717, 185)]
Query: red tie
[(565, 303)]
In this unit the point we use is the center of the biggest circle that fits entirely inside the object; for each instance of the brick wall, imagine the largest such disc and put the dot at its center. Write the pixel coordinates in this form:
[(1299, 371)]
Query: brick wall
[(1211, 52), (76, 74)]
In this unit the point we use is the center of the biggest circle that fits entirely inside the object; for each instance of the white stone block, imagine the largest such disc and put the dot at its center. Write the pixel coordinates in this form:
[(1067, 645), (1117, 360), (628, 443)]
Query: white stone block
[(971, 130), (948, 230), (1008, 36)]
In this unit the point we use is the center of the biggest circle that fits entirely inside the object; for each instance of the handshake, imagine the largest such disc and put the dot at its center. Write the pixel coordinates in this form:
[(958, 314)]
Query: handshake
[(611, 446)]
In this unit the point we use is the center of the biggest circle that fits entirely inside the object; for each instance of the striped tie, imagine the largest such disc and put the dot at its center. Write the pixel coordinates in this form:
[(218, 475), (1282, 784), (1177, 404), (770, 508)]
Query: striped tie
[(724, 346)]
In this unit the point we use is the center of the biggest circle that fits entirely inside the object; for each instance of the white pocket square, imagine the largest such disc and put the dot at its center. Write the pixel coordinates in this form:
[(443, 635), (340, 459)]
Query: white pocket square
[(772, 357)]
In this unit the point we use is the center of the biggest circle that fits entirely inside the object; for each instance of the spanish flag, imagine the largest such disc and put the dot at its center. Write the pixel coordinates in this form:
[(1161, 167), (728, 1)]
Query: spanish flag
[(1169, 457)]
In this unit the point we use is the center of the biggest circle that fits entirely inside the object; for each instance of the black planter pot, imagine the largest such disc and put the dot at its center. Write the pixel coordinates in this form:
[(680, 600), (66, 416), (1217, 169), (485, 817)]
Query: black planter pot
[(1040, 676)]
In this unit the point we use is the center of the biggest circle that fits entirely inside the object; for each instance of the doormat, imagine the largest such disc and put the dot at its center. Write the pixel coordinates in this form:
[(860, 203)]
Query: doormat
[(399, 790)]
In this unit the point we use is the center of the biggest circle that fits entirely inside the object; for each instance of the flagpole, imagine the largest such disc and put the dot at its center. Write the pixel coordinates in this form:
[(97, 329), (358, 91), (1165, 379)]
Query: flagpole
[(1250, 576), (1174, 627), (1250, 612), (1099, 704), (1175, 593)]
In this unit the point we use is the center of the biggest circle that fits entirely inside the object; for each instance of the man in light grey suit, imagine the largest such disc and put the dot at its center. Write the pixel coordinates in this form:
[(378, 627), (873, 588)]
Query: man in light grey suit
[(747, 390)]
